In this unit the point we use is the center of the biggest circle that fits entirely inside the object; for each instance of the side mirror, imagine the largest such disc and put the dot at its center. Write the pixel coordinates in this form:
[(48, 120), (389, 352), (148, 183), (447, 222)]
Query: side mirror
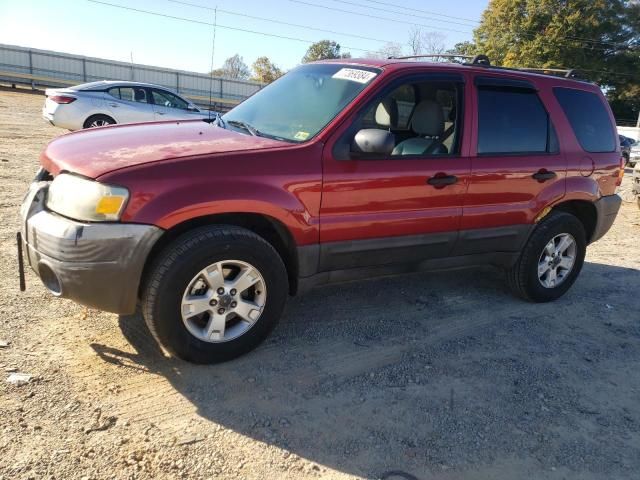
[(372, 140), (192, 108)]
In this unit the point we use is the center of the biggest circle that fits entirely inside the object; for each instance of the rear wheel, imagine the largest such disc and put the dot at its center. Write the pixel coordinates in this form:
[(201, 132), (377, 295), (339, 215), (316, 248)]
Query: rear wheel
[(214, 294), (98, 121), (551, 260)]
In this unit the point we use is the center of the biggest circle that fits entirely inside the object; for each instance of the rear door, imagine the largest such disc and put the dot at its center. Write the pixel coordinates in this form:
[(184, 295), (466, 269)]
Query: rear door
[(130, 104), (396, 208), (517, 167)]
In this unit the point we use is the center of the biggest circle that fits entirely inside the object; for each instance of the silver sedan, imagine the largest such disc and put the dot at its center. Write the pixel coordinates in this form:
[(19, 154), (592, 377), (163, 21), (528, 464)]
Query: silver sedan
[(103, 103)]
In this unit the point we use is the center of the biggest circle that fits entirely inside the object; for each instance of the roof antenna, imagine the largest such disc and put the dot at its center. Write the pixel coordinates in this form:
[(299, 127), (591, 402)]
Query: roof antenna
[(213, 51)]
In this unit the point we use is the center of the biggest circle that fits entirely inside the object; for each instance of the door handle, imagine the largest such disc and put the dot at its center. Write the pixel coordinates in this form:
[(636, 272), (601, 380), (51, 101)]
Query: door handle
[(114, 105), (160, 113), (543, 176), (442, 180)]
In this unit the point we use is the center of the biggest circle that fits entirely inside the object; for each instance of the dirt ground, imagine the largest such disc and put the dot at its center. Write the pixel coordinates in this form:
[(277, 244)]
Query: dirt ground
[(441, 375)]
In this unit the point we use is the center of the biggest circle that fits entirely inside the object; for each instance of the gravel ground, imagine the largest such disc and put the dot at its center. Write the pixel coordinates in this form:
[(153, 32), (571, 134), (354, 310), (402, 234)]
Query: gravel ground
[(442, 375)]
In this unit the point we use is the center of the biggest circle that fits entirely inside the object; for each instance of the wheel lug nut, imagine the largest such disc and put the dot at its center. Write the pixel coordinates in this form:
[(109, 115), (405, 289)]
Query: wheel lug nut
[(233, 292), (220, 291), (234, 304), (213, 303), (220, 311)]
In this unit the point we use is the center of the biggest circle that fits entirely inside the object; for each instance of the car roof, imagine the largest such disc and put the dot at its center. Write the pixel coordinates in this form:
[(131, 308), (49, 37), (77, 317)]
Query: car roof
[(398, 64), (101, 85)]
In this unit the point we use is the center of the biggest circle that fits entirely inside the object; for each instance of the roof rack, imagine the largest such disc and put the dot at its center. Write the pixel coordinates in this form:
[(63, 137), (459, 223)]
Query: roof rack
[(565, 72), (475, 60), (483, 61)]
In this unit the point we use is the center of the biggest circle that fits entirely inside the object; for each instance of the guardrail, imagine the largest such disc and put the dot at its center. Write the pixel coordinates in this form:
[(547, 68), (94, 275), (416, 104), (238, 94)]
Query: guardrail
[(43, 68)]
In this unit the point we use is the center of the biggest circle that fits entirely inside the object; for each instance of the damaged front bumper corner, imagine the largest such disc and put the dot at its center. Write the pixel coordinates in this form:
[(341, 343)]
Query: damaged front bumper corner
[(95, 264)]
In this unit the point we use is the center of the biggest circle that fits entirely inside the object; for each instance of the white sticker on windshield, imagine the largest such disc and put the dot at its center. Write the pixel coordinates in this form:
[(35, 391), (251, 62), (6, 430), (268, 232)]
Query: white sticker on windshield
[(355, 75)]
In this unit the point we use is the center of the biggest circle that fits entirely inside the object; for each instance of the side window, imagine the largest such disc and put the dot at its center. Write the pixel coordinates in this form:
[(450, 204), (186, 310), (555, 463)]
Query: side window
[(167, 99), (513, 120), (422, 119), (114, 92), (134, 94), (405, 98), (589, 119)]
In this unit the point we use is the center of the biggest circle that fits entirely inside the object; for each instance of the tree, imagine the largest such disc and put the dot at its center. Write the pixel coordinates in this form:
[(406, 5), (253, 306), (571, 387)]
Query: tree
[(422, 42), (233, 67), (600, 38), (388, 50), (265, 71), (463, 48), (324, 50)]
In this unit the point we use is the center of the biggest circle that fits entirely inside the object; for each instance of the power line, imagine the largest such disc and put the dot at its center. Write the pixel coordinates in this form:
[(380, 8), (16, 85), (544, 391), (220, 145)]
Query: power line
[(386, 19), (572, 37), (227, 27), (402, 12), (423, 11), (244, 15)]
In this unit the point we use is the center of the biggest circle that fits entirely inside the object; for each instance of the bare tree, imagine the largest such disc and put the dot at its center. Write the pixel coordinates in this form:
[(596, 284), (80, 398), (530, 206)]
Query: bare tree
[(233, 67), (422, 42), (390, 49)]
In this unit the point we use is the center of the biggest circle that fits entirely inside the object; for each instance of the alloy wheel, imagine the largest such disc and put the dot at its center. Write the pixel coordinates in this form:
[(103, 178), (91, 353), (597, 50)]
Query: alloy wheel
[(557, 260), (223, 301)]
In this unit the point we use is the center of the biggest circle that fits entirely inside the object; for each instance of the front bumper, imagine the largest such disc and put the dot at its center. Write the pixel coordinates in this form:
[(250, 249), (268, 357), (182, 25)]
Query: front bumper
[(607, 208), (95, 264)]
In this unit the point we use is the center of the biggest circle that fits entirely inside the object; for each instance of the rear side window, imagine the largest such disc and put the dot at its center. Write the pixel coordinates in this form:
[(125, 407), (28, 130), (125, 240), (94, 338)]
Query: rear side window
[(589, 119), (114, 92), (512, 121)]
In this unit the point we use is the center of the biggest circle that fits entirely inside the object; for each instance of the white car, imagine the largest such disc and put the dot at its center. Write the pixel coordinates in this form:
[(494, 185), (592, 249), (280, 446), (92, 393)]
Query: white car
[(634, 154), (635, 186), (103, 103)]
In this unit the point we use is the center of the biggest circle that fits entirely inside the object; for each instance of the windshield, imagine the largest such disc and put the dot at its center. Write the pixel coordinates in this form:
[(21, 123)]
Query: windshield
[(300, 104)]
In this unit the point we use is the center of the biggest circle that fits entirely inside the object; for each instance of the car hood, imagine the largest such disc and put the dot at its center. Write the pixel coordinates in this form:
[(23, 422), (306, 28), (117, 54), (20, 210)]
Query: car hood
[(98, 151)]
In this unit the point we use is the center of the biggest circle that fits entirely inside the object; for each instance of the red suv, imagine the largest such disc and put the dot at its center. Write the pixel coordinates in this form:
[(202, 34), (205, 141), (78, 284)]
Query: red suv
[(339, 170)]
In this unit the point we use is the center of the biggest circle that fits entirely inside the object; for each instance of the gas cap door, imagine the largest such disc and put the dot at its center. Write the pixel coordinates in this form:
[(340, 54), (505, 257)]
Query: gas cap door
[(587, 166)]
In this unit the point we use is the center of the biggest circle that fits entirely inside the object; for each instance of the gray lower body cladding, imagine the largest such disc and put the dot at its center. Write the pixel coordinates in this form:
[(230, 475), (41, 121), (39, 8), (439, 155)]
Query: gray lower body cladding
[(607, 209), (95, 264)]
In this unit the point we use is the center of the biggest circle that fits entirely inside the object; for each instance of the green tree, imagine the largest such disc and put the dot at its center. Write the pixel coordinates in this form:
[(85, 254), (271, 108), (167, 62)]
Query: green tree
[(265, 71), (463, 48), (233, 67), (324, 50), (599, 38)]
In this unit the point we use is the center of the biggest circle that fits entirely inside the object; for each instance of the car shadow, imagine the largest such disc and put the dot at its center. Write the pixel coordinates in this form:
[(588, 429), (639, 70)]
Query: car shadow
[(427, 372)]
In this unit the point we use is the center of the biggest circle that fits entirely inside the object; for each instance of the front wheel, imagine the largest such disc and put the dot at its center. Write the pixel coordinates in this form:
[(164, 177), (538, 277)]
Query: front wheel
[(551, 260), (214, 294)]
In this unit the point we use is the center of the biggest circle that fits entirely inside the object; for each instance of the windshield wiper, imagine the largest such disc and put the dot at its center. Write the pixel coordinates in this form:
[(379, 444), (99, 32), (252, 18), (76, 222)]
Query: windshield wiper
[(212, 119), (245, 126)]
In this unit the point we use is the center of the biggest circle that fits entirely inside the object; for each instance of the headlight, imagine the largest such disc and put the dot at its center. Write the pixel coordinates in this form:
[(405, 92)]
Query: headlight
[(86, 200)]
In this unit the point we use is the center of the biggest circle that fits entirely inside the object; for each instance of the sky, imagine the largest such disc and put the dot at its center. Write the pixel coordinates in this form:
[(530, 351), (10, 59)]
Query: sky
[(94, 29)]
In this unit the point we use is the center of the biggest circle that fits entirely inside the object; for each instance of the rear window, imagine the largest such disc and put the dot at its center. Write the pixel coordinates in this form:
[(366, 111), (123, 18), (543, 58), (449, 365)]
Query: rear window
[(512, 121), (589, 119)]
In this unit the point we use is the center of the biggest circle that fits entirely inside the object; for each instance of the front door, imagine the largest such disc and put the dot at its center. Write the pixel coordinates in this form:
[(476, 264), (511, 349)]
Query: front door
[(168, 106), (404, 205), (517, 167)]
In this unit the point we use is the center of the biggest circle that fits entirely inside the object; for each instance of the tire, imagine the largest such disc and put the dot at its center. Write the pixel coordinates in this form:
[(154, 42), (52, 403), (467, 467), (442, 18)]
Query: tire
[(170, 282), (98, 121), (523, 277)]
